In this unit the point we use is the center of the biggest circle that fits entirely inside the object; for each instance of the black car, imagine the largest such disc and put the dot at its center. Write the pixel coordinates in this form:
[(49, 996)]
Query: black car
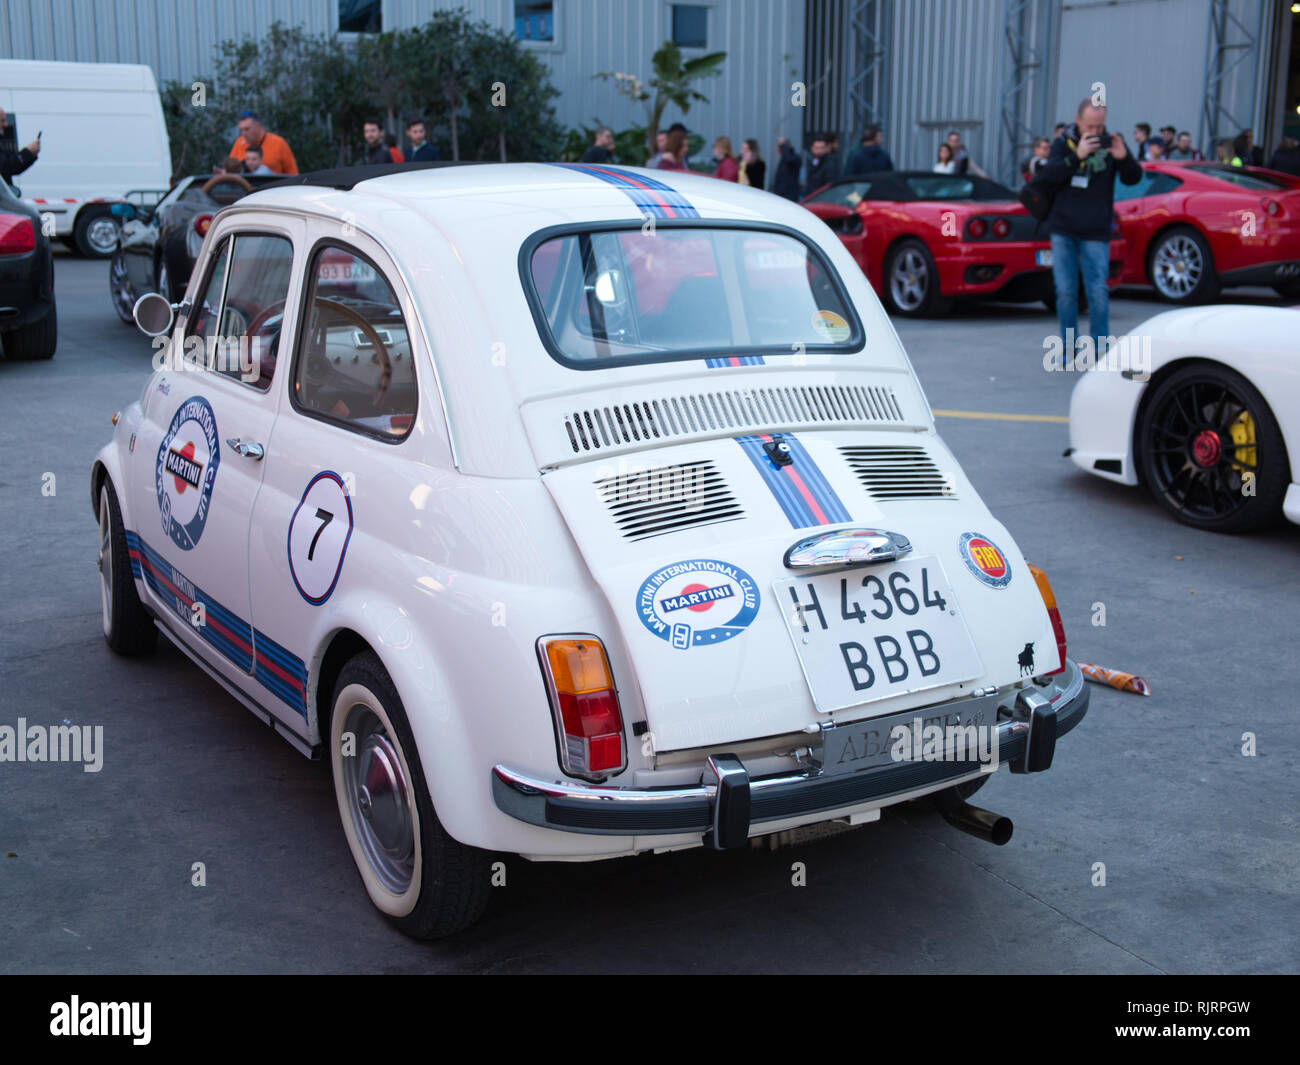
[(158, 244), (28, 322)]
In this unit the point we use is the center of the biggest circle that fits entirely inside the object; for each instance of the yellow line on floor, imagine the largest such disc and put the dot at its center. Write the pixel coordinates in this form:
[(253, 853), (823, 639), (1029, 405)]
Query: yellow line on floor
[(990, 416)]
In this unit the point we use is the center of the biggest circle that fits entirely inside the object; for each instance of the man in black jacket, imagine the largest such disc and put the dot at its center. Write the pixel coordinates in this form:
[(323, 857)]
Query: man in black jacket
[(14, 163), (786, 181), (421, 150), (871, 156), (1082, 166)]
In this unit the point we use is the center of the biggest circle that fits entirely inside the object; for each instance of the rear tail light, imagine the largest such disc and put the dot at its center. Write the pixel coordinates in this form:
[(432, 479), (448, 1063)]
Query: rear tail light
[(1001, 228), (201, 224), (976, 228), (584, 703), (1049, 601), (17, 234)]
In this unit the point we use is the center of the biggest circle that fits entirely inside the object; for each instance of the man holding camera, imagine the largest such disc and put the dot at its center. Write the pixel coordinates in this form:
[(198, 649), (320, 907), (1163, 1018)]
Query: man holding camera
[(1082, 166)]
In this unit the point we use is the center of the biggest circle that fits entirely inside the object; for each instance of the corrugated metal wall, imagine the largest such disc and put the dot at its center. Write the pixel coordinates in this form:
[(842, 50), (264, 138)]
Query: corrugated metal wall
[(764, 41)]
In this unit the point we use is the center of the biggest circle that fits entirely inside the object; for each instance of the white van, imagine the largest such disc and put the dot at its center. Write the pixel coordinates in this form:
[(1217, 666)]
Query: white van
[(102, 136)]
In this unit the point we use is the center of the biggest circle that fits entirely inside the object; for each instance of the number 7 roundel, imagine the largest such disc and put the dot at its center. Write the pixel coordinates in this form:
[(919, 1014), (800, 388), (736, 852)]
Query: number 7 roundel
[(319, 532)]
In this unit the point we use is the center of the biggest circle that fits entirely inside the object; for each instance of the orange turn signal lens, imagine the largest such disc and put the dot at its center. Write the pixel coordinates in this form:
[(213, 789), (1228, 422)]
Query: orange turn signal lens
[(578, 666), (1049, 601)]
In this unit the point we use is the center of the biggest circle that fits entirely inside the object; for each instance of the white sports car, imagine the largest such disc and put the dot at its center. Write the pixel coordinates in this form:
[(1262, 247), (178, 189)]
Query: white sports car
[(1202, 406), (569, 512)]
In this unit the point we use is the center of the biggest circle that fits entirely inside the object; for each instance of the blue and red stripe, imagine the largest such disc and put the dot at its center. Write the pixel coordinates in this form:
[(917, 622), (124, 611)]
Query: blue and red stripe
[(282, 673), (735, 360), (650, 195), (800, 489)]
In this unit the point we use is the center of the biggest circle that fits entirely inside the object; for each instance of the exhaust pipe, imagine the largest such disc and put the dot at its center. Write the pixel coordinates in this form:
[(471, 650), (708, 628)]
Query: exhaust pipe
[(988, 826)]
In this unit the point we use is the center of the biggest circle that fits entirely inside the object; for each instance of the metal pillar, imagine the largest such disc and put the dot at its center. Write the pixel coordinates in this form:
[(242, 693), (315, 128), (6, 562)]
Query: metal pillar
[(1024, 65), (1231, 45), (866, 56)]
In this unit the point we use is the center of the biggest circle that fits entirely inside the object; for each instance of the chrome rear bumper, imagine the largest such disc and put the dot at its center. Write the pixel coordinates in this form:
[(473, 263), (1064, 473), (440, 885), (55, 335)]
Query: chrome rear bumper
[(725, 809)]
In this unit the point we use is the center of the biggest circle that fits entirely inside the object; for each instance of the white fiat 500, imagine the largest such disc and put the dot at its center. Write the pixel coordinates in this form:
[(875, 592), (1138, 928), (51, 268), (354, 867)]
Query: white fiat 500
[(570, 512)]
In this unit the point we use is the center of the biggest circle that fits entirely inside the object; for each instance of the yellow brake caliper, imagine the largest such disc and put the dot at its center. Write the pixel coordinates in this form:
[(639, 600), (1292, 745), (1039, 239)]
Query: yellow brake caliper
[(1242, 431)]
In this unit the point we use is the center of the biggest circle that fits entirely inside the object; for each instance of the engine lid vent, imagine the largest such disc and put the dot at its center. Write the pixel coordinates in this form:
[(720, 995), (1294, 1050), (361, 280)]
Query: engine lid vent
[(898, 472), (663, 499), (739, 410)]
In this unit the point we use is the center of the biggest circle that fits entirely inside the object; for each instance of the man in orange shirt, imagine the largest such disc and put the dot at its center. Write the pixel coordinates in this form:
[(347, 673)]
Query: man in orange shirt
[(276, 153)]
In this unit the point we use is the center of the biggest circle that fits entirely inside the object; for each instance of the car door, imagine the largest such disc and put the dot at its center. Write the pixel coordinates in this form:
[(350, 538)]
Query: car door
[(347, 422), (202, 440), (1142, 208)]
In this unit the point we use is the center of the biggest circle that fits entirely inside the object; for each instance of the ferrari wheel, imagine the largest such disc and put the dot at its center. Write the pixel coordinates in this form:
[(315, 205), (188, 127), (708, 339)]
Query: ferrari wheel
[(120, 289), (1211, 451), (424, 882), (1181, 267), (912, 282)]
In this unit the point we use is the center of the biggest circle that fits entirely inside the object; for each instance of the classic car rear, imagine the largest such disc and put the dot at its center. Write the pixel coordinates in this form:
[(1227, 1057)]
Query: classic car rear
[(926, 239), (29, 325), (588, 512)]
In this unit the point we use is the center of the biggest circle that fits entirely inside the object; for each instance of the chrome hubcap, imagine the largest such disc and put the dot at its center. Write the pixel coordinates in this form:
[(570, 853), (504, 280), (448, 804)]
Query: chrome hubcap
[(101, 234), (1177, 267), (909, 279), (122, 285), (380, 800)]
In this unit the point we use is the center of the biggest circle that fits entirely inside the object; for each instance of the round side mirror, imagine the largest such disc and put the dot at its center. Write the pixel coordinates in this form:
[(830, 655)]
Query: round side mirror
[(153, 314)]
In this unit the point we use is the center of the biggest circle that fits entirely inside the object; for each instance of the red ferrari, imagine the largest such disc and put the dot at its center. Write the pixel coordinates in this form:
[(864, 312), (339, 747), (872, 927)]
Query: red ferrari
[(925, 239), (1194, 228)]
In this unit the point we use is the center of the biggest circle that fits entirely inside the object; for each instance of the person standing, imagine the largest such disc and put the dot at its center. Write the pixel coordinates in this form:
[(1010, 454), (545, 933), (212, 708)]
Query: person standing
[(960, 157), (14, 163), (785, 182), (421, 150), (601, 149), (1042, 149), (1141, 132), (820, 170), (661, 143), (253, 163), (727, 168), (674, 154), (753, 171), (1287, 157), (945, 163), (1183, 149), (376, 150), (871, 156), (276, 152), (1083, 167)]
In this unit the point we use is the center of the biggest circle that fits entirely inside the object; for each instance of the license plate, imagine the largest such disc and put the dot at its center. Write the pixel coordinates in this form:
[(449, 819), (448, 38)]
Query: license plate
[(874, 742), (876, 632), (1043, 258), (349, 271)]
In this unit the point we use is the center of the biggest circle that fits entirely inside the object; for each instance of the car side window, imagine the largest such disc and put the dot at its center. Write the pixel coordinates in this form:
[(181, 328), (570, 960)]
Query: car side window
[(354, 363), (252, 314), (207, 308), (1133, 192)]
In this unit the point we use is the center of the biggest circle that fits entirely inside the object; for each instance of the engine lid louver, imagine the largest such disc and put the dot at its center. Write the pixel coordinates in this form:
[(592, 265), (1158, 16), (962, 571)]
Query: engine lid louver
[(738, 410), (888, 472), (664, 499)]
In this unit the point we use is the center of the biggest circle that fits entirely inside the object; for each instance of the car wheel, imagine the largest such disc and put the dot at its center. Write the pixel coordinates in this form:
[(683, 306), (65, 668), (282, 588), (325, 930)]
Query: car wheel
[(912, 282), (424, 882), (164, 282), (35, 341), (127, 626), (95, 233), (1211, 451), (1181, 268), (120, 289)]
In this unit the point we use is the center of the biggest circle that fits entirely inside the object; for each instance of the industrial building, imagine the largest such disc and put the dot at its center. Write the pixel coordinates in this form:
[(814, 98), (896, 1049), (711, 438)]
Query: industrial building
[(999, 71)]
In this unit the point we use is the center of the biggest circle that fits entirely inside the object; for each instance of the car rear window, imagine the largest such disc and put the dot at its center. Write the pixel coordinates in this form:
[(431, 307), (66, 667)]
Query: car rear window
[(619, 296), (1253, 180)]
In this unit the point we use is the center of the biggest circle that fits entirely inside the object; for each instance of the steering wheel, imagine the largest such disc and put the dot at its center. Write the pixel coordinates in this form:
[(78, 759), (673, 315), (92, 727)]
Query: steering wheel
[(386, 364), (220, 179)]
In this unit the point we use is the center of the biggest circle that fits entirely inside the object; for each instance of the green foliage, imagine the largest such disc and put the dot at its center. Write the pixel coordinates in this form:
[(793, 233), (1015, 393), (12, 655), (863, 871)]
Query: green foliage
[(670, 83), (482, 95)]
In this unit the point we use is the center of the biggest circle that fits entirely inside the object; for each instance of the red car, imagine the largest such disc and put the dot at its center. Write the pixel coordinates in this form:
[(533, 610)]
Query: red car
[(925, 239), (1194, 228)]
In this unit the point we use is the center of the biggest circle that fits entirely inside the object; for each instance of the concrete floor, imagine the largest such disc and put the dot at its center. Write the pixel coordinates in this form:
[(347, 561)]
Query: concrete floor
[(1201, 845)]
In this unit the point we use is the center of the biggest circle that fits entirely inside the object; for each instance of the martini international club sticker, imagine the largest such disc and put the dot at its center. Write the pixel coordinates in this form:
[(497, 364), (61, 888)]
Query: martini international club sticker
[(187, 468), (697, 602)]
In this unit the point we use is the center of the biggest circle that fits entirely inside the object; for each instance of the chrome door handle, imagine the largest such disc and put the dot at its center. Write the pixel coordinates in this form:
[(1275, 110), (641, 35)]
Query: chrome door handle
[(248, 450)]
